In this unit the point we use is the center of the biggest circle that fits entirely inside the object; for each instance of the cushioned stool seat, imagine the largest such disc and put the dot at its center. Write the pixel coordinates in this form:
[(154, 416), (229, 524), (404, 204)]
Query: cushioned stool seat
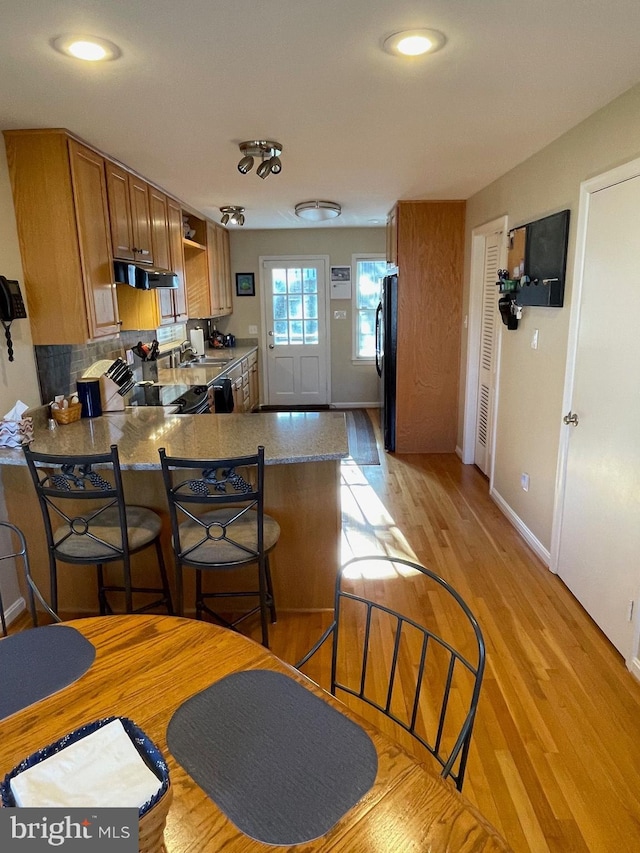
[(87, 521)]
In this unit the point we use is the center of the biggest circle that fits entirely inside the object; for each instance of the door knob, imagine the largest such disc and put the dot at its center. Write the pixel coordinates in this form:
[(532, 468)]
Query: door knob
[(571, 418), (270, 334), (272, 346)]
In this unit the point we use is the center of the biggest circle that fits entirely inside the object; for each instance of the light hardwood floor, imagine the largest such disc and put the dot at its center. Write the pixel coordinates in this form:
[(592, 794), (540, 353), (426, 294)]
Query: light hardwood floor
[(555, 757)]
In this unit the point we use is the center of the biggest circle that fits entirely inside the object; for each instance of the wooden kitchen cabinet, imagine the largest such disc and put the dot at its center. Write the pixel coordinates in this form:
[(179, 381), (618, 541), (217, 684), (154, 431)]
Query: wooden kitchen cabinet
[(60, 197), (427, 238), (173, 303), (153, 308), (219, 270), (129, 214), (159, 219), (254, 381), (235, 376)]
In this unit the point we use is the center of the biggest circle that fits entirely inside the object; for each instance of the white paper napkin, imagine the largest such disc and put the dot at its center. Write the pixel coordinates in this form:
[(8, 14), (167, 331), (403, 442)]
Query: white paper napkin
[(103, 769), (17, 412)]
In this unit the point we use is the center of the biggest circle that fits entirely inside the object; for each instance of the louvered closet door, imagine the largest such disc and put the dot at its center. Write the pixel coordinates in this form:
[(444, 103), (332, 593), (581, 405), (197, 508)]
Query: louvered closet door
[(486, 376)]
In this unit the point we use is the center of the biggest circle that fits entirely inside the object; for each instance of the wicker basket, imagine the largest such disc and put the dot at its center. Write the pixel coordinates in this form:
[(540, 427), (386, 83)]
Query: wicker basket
[(67, 416), (151, 825)]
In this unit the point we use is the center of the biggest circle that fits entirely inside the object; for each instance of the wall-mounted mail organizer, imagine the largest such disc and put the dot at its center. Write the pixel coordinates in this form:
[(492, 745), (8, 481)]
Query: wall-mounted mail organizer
[(537, 262)]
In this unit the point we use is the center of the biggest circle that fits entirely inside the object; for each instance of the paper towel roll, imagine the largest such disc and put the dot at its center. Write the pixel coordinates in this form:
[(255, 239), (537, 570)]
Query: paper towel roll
[(197, 340)]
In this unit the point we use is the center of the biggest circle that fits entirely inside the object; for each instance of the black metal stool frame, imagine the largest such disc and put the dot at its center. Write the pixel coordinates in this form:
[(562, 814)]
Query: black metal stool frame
[(203, 490), (32, 590), (87, 484), (460, 749)]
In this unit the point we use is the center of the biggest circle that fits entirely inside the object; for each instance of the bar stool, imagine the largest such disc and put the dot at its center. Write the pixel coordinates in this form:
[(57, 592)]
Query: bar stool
[(107, 531), (233, 532), (32, 590)]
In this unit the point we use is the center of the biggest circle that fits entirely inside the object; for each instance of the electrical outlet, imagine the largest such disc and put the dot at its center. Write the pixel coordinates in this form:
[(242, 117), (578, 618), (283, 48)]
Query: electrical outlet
[(524, 481), (534, 339), (129, 356), (253, 330)]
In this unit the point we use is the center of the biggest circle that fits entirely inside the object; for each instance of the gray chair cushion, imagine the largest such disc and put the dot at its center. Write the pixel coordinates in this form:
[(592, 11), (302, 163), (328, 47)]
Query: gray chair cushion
[(143, 526), (218, 552)]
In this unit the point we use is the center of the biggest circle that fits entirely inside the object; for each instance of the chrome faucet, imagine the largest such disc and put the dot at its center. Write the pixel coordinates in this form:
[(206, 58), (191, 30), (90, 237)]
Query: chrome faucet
[(187, 352)]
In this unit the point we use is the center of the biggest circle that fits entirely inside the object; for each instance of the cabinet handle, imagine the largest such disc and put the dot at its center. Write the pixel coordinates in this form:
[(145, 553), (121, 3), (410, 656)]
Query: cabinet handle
[(143, 251)]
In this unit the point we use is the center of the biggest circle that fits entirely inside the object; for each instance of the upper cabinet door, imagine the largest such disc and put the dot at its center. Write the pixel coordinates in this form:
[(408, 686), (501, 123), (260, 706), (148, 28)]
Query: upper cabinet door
[(159, 229), (129, 215), (140, 220), (176, 258), (90, 196), (120, 212)]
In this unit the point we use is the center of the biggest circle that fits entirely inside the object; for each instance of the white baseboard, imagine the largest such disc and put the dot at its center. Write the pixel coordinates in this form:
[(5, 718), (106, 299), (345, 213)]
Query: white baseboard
[(459, 452), (532, 541), (14, 610), (634, 669)]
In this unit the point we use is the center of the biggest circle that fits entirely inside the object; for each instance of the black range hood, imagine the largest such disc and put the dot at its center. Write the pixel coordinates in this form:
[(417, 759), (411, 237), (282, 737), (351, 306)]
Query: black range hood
[(143, 278)]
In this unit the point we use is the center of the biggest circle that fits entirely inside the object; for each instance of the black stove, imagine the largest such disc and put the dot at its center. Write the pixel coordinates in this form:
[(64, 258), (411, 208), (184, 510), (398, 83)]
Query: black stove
[(188, 399), (194, 401)]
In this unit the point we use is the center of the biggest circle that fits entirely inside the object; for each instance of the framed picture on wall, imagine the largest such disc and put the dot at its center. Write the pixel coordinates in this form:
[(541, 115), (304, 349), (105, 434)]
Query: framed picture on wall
[(245, 284)]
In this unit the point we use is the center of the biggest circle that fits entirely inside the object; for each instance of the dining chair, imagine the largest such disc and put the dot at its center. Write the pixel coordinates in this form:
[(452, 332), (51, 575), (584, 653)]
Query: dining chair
[(87, 522), (20, 550), (218, 523), (422, 667)]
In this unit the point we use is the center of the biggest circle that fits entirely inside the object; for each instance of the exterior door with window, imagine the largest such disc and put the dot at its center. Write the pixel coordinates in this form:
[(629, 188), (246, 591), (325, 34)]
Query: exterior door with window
[(296, 331)]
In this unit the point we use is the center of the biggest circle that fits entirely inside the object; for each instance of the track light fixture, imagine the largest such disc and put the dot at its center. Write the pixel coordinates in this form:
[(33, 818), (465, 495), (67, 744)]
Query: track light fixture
[(232, 213), (269, 153)]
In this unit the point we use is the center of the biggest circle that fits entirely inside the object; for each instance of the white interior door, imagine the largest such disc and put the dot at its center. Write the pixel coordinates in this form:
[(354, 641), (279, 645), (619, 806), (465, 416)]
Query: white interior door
[(599, 538), (486, 368), (296, 331)]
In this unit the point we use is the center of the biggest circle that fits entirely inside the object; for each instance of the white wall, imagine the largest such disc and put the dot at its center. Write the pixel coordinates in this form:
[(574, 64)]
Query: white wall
[(532, 381), (18, 379), (350, 383)]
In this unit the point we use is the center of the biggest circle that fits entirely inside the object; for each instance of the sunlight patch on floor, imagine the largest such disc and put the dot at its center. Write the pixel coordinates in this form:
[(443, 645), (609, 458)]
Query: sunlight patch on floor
[(367, 527)]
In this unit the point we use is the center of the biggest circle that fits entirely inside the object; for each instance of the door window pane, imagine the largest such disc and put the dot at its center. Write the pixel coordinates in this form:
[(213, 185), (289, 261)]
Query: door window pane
[(295, 317)]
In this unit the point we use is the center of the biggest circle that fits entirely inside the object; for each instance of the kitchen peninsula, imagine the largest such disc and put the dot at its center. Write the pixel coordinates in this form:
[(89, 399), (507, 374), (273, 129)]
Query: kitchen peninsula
[(302, 490)]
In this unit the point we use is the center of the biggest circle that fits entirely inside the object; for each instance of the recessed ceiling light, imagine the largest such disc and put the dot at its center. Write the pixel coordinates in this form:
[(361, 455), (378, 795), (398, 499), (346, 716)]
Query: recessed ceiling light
[(88, 48), (414, 42)]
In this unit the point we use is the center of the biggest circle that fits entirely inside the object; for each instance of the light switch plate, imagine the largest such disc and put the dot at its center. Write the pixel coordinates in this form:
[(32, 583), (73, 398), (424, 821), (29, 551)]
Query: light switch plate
[(339, 315), (253, 330)]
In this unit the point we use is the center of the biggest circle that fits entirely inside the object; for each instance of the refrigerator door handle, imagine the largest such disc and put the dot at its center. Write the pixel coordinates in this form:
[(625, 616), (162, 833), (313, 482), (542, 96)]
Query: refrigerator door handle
[(378, 316)]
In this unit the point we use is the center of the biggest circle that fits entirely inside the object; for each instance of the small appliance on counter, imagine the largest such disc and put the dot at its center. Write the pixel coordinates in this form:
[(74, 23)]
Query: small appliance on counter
[(229, 340)]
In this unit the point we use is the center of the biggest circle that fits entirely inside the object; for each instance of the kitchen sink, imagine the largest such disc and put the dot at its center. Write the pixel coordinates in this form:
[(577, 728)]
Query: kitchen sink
[(212, 360), (207, 361)]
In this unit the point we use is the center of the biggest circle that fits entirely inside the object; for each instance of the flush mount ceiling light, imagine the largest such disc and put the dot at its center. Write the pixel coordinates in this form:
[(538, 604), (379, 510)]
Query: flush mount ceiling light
[(414, 42), (269, 153), (88, 48), (318, 211), (233, 214)]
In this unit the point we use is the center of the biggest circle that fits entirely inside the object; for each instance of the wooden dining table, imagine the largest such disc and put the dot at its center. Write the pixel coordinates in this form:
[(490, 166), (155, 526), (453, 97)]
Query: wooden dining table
[(146, 666)]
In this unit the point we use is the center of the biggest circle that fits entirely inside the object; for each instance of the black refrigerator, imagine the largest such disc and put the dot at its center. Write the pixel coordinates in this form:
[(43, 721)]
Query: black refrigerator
[(386, 346)]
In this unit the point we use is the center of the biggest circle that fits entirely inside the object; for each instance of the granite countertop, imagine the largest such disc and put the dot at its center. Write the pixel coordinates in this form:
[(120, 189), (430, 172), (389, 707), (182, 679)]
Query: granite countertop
[(287, 437), (203, 374)]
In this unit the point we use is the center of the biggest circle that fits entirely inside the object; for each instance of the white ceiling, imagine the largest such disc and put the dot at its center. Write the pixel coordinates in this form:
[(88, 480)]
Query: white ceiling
[(358, 126)]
